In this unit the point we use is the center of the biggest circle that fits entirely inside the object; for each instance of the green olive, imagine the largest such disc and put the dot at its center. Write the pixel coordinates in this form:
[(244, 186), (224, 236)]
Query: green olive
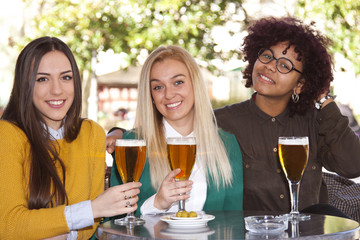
[(192, 214), (179, 214), (185, 214)]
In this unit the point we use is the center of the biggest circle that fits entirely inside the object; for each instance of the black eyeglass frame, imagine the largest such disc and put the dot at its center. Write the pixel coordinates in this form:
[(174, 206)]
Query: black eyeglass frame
[(277, 60)]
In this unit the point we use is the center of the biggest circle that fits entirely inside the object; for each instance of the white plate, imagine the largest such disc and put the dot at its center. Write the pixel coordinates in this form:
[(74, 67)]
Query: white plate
[(191, 233), (184, 218), (187, 223)]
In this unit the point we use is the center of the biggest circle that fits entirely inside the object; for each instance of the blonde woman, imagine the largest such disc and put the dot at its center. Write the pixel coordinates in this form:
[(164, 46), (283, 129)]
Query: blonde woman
[(173, 102)]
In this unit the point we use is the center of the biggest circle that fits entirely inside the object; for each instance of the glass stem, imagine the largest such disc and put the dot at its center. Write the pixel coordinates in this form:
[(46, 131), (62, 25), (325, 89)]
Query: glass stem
[(181, 202), (130, 215), (294, 197), (294, 229), (182, 205)]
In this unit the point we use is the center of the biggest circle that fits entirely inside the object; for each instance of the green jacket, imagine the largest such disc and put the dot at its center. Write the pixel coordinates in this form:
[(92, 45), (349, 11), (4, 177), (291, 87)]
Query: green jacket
[(229, 198)]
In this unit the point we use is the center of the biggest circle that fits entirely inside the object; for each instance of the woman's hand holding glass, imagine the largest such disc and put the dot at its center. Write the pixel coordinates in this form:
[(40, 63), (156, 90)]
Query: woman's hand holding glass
[(171, 191), (181, 154), (111, 140), (116, 200)]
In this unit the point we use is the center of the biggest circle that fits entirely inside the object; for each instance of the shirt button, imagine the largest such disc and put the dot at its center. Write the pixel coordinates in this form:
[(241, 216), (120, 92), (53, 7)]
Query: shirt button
[(313, 167), (275, 149), (247, 166), (273, 119), (281, 196), (278, 170)]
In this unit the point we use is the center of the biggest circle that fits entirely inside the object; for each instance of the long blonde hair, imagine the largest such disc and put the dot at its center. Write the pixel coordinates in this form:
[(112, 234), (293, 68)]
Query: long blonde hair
[(210, 148)]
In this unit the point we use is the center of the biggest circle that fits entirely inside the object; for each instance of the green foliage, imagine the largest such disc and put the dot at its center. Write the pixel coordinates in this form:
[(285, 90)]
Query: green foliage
[(132, 25), (357, 117), (341, 22), (222, 103)]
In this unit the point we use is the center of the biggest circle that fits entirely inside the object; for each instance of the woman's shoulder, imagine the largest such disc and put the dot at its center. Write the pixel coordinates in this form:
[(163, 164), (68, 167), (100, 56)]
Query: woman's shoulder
[(228, 139), (9, 129), (11, 135), (91, 130), (88, 124), (129, 134), (6, 124), (224, 134), (233, 108)]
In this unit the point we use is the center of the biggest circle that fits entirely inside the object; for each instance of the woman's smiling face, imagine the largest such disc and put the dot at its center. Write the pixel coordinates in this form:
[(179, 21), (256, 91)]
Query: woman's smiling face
[(268, 81), (172, 91), (54, 88)]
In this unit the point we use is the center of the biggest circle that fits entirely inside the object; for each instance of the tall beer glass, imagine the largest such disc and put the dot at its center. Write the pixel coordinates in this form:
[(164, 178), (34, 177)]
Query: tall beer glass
[(182, 154), (293, 154), (130, 155)]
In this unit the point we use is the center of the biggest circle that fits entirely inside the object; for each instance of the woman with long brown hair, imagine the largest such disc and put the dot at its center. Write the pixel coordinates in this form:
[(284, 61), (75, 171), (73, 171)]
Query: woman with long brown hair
[(52, 162)]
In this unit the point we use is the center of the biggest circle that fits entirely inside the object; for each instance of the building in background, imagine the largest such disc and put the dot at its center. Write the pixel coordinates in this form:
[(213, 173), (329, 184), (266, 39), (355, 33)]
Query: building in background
[(117, 94)]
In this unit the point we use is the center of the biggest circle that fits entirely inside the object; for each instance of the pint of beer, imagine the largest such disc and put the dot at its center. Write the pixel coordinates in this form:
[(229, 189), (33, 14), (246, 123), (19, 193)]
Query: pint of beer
[(293, 154), (182, 154), (130, 155)]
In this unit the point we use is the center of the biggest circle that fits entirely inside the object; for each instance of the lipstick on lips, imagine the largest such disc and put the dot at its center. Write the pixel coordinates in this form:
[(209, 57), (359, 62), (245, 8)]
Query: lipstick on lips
[(56, 103)]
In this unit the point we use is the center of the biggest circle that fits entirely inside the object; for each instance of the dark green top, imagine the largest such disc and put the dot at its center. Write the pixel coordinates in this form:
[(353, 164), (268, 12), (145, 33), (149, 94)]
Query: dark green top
[(229, 198)]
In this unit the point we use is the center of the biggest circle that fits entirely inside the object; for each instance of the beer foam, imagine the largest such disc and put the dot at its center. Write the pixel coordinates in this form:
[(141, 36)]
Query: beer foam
[(130, 142), (181, 140), (294, 140)]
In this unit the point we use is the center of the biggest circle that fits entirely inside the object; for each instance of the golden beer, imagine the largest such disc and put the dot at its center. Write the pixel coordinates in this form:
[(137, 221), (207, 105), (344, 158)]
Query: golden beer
[(130, 155), (293, 156), (182, 154)]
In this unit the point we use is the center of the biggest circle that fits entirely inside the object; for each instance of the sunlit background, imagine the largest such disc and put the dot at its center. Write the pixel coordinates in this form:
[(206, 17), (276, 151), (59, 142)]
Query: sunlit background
[(111, 40)]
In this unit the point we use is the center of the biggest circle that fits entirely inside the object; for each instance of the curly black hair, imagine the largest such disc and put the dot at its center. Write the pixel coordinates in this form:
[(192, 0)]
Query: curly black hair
[(310, 45)]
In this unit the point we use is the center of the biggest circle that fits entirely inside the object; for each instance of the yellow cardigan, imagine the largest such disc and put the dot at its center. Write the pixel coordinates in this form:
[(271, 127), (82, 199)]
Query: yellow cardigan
[(84, 160)]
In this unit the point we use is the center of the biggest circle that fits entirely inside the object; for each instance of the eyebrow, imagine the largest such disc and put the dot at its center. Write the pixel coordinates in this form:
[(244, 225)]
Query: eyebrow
[(48, 74), (173, 77)]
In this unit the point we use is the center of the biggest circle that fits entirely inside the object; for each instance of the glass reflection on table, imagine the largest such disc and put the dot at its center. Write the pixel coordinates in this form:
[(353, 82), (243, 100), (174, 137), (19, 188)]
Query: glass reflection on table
[(230, 225)]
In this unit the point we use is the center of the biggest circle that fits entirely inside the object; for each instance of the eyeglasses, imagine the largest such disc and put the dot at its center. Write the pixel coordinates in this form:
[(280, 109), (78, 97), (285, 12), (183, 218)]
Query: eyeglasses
[(283, 65)]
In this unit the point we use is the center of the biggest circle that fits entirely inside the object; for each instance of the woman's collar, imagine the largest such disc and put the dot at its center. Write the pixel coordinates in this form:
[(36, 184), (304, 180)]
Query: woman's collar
[(55, 134), (171, 132)]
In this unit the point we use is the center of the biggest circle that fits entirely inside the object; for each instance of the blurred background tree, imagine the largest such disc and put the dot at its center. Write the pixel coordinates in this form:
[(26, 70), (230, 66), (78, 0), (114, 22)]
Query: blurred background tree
[(131, 26), (340, 20), (135, 27)]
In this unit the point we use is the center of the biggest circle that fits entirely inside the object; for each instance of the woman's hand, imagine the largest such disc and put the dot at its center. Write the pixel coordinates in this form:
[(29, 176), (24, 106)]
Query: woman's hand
[(170, 191), (111, 140), (116, 200)]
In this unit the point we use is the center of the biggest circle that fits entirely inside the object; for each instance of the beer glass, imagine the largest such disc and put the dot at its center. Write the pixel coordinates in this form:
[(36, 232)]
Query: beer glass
[(181, 154), (293, 154), (130, 155)]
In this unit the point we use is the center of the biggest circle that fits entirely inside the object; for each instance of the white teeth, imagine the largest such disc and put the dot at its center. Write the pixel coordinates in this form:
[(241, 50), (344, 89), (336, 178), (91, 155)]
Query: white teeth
[(173, 105), (266, 78), (56, 102)]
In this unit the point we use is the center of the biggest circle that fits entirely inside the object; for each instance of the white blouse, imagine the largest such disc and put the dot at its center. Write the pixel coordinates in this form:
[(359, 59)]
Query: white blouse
[(199, 187)]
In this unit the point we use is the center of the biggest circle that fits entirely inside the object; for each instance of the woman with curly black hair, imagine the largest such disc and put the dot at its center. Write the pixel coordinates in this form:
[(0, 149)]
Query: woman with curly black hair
[(290, 70)]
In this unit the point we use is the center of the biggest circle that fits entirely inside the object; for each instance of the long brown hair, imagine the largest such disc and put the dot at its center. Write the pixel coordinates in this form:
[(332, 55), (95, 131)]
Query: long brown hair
[(46, 189)]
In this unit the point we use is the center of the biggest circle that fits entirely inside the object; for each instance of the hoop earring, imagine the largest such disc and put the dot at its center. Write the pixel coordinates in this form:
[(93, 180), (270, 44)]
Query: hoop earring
[(295, 97)]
